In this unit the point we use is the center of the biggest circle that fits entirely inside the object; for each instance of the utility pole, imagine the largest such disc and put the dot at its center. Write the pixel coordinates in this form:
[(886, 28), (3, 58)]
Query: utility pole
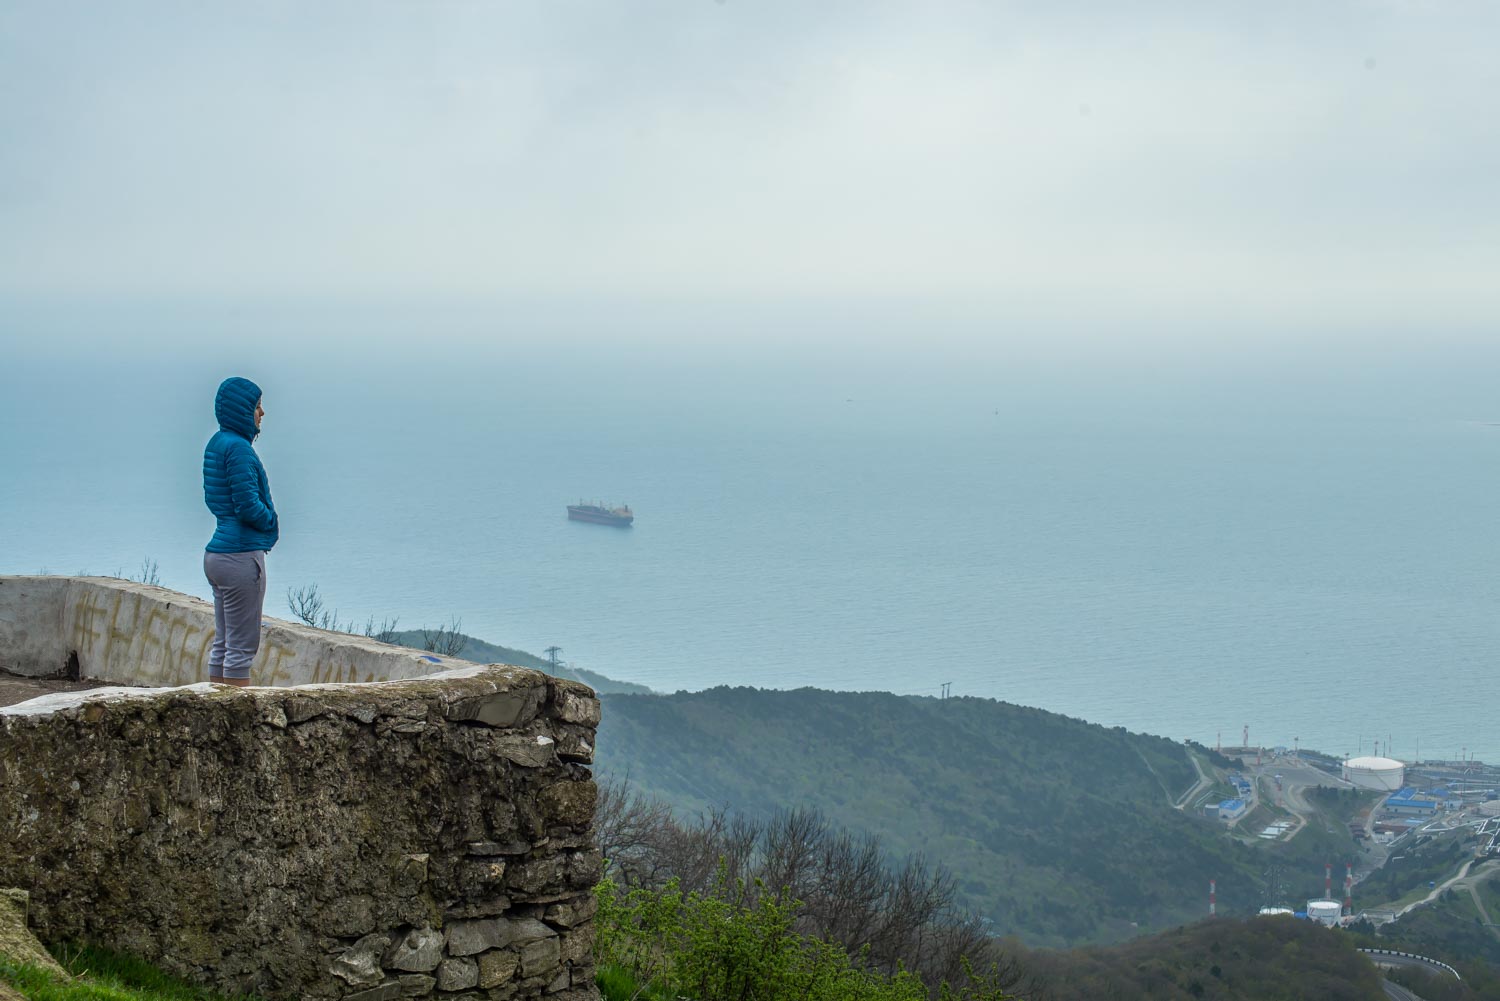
[(947, 689)]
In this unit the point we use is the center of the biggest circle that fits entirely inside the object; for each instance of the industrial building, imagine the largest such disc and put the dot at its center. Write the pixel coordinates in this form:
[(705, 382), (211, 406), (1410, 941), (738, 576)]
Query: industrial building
[(1385, 774), (1387, 831), (1409, 803), (1325, 912), (1232, 809)]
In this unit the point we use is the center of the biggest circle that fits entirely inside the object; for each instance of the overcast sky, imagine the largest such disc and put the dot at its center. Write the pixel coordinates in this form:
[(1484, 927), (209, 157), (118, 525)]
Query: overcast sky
[(1330, 164)]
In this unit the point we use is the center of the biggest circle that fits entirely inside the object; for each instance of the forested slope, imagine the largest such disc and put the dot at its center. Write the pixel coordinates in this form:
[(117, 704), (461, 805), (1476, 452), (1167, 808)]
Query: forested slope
[(1255, 959), (1058, 830), (480, 652)]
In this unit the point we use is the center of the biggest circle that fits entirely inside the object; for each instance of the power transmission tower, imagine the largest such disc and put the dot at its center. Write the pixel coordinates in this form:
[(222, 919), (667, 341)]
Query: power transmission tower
[(552, 652)]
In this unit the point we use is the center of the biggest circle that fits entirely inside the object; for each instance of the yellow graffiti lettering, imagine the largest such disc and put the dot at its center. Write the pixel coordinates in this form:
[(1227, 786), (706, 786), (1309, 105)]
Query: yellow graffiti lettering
[(123, 635)]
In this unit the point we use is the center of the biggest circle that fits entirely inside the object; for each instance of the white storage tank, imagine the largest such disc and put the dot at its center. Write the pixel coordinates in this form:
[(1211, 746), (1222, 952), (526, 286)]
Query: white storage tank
[(1384, 774), (1325, 912)]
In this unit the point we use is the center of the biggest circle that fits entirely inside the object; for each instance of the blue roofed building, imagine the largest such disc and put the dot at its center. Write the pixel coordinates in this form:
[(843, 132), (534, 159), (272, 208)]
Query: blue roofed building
[(1232, 809), (1410, 803)]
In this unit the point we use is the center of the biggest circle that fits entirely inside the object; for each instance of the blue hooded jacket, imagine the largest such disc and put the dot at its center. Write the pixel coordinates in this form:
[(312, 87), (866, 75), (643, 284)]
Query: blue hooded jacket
[(235, 487)]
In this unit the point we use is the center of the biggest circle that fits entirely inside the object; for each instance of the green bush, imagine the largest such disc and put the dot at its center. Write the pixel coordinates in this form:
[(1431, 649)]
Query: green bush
[(731, 945)]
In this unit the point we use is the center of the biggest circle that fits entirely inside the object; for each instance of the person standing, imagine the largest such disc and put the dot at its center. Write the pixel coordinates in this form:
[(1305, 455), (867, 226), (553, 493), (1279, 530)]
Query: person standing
[(236, 490)]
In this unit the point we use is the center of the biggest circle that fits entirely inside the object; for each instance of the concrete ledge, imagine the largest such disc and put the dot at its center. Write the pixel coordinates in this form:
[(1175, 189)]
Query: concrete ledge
[(31, 626), (136, 634)]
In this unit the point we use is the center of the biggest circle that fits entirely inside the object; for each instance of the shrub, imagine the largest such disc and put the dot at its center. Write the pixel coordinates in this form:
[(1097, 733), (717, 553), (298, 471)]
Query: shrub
[(727, 944)]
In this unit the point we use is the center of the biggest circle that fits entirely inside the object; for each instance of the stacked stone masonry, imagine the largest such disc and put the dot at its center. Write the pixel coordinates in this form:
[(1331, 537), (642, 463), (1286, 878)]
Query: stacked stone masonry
[(403, 839)]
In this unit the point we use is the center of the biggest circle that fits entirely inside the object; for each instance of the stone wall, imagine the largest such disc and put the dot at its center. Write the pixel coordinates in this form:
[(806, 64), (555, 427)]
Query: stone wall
[(410, 838), (136, 634)]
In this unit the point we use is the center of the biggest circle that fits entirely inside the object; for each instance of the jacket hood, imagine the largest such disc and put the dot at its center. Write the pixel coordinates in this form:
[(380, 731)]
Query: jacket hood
[(234, 406)]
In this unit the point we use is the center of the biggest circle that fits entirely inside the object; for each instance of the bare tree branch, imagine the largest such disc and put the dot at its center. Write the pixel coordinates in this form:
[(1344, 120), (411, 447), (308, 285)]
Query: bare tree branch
[(149, 573), (385, 632), (305, 603), (447, 640), (889, 919)]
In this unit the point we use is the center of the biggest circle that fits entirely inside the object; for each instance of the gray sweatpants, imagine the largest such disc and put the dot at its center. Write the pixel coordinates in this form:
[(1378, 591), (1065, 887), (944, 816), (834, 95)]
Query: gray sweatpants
[(239, 583)]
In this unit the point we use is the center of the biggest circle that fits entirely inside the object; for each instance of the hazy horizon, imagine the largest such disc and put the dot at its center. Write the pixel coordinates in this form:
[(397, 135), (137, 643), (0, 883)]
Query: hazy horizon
[(1169, 553), (1172, 174)]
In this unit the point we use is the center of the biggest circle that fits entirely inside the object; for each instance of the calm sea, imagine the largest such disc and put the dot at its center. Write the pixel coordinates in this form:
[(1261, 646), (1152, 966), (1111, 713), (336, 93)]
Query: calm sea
[(1312, 554)]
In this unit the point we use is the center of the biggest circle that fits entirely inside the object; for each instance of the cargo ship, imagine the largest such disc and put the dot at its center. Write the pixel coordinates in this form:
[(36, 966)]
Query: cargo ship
[(600, 515)]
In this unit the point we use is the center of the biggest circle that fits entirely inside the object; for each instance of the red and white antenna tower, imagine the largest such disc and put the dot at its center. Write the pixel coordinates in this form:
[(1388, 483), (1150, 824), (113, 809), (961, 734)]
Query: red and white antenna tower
[(1219, 743), (1213, 897), (1349, 889), (1245, 738)]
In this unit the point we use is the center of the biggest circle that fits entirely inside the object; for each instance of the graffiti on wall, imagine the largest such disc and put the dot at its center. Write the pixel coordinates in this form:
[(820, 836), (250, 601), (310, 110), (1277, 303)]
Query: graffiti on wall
[(131, 637)]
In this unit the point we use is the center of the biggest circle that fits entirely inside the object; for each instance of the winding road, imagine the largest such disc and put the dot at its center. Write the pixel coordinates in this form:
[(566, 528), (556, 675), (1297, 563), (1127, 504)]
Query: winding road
[(1202, 783), (1437, 890), (1398, 993), (1484, 914)]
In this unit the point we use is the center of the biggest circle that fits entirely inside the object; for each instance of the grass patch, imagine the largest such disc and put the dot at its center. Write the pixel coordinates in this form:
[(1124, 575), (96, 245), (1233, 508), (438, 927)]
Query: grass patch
[(616, 983), (1400, 902), (1405, 878), (101, 975), (1257, 820)]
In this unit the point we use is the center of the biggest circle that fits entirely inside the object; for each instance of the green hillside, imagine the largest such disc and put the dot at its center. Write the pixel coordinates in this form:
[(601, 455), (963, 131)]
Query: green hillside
[(1059, 831), (1255, 959), (480, 652), (1452, 927)]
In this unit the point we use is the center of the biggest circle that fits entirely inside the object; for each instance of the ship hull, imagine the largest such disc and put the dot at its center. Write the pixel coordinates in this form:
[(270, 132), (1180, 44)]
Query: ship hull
[(599, 517)]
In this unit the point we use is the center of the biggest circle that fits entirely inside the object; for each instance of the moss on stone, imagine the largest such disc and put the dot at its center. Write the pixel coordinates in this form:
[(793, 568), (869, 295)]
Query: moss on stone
[(17, 944), (251, 838)]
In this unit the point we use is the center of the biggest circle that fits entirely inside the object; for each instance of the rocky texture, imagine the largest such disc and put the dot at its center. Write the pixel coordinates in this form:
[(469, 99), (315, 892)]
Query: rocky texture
[(368, 841)]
